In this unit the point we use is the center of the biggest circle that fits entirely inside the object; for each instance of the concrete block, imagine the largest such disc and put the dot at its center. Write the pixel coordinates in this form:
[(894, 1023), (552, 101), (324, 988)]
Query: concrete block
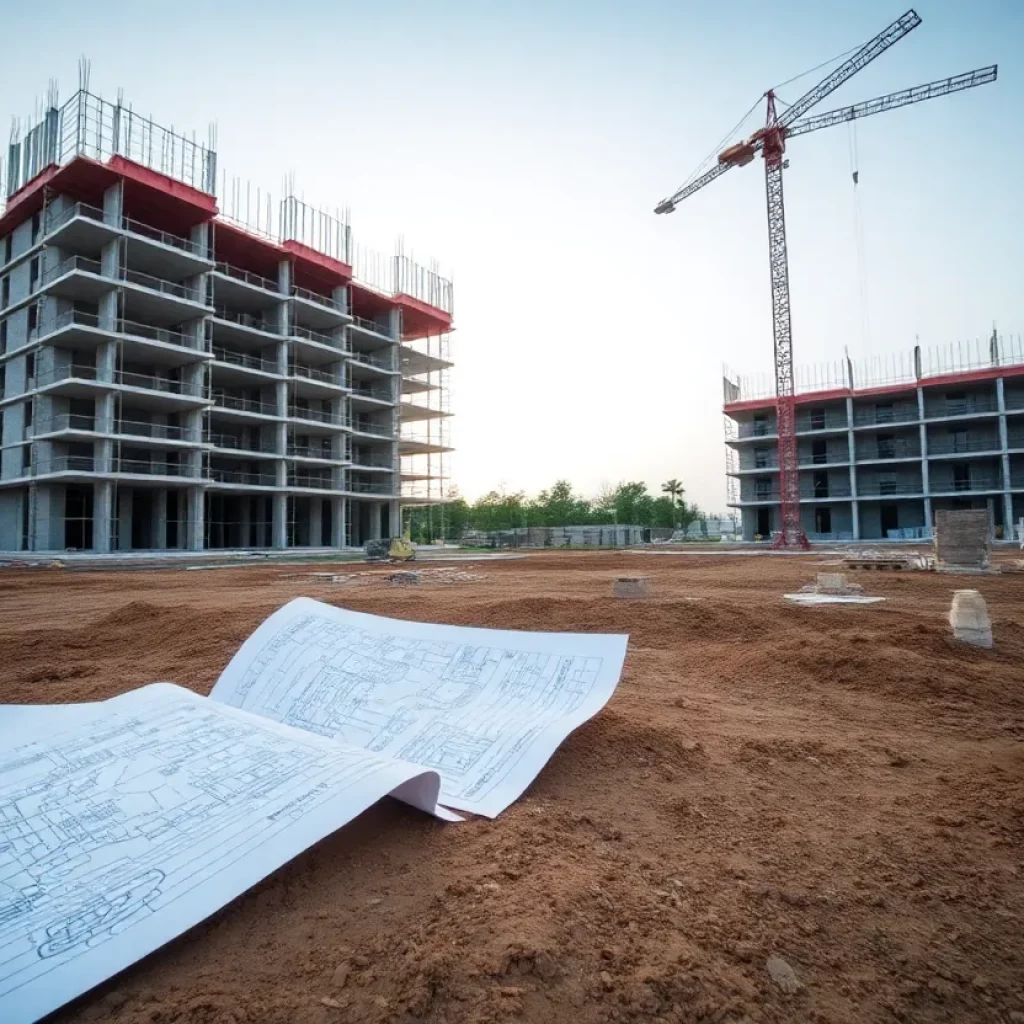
[(969, 618), (961, 538), (632, 586)]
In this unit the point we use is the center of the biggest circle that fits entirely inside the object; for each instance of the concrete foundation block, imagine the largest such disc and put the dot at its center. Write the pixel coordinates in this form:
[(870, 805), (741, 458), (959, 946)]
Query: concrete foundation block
[(961, 538), (969, 618), (632, 587)]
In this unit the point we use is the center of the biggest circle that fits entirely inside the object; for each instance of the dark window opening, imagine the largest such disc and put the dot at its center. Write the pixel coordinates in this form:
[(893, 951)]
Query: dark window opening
[(30, 365), (957, 439), (821, 485), (761, 456), (760, 425), (887, 483), (819, 451), (962, 476), (817, 419), (28, 414), (883, 412), (33, 319), (764, 522), (33, 275), (36, 221), (763, 488), (5, 292), (886, 446), (890, 517), (823, 520), (956, 403)]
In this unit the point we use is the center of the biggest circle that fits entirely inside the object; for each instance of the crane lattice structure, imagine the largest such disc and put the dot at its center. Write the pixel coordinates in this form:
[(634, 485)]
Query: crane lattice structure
[(770, 142)]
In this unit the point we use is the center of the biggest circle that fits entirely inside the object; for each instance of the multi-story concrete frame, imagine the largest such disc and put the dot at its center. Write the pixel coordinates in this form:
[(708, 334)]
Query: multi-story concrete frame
[(877, 462), (171, 379)]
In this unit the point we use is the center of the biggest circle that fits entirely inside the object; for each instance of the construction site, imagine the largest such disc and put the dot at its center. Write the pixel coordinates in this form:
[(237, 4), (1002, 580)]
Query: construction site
[(785, 782)]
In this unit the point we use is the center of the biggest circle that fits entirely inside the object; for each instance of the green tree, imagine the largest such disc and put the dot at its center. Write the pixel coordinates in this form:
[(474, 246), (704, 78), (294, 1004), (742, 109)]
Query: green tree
[(560, 506), (498, 510), (674, 489)]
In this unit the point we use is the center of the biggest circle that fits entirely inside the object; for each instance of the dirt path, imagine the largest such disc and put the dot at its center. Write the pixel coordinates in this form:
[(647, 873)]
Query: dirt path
[(839, 787)]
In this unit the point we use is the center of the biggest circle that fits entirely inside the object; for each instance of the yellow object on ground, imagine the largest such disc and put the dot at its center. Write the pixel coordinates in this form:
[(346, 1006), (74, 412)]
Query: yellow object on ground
[(402, 550)]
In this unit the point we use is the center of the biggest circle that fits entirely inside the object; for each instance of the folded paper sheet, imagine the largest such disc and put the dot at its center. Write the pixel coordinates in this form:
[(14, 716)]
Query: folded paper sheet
[(124, 828), (484, 708), (126, 822)]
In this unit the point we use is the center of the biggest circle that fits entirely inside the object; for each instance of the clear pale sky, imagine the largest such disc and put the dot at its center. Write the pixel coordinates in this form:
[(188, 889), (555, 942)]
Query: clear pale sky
[(525, 144)]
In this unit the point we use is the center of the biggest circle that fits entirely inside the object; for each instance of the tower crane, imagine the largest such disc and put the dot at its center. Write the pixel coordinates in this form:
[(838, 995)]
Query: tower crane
[(770, 143)]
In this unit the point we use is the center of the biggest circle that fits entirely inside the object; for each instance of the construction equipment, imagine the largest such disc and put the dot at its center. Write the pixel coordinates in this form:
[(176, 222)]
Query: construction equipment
[(770, 143), (395, 549)]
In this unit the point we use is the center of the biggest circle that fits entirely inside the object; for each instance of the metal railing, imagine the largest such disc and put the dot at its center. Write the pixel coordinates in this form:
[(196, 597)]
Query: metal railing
[(244, 404), (250, 320), (242, 476), (373, 327), (319, 415), (833, 490), (64, 464), (312, 373), (830, 421), (377, 394), (1013, 401), (321, 300), (362, 426), (879, 488), (962, 445), (71, 264), (236, 443), (136, 227), (973, 483), (973, 405), (319, 338), (871, 417), (768, 429), (364, 487), (897, 449), (381, 362), (166, 385), (323, 483), (145, 467), (369, 462), (128, 328), (160, 284), (309, 451), (257, 280), (69, 371), (244, 359), (58, 220)]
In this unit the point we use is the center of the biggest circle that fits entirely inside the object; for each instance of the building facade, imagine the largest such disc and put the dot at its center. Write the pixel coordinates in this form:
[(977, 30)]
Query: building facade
[(175, 378), (878, 460)]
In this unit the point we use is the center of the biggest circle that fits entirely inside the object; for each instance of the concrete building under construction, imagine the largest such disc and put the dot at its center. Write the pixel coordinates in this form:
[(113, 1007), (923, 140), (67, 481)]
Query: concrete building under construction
[(885, 444), (183, 366)]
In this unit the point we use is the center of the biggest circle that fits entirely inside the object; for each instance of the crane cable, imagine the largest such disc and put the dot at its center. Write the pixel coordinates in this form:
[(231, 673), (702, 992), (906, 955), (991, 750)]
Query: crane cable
[(858, 228)]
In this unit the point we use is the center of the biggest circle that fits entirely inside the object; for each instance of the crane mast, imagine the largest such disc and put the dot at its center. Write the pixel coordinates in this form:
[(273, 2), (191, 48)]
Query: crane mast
[(770, 143)]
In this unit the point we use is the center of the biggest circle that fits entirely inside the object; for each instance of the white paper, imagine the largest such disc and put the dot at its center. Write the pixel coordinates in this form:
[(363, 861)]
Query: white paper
[(484, 708), (131, 821)]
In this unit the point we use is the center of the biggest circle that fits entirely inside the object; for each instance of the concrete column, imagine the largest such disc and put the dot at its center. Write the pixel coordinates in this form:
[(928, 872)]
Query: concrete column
[(1004, 456), (375, 520), (102, 514), (851, 445), (280, 526), (124, 518), (339, 514), (926, 488), (196, 526), (113, 204), (159, 524), (394, 518)]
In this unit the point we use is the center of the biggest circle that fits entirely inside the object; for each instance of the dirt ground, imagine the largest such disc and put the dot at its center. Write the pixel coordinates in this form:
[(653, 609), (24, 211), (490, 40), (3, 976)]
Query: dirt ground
[(839, 787)]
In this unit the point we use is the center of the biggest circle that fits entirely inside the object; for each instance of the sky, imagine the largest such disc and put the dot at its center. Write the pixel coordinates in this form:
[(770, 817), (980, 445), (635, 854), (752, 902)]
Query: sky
[(524, 145)]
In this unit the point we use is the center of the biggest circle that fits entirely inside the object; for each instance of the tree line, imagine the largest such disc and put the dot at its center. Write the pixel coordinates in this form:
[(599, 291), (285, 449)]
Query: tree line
[(629, 504)]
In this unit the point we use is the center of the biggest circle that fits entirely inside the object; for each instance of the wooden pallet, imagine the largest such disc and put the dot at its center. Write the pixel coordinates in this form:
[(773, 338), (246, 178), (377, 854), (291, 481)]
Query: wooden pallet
[(877, 564)]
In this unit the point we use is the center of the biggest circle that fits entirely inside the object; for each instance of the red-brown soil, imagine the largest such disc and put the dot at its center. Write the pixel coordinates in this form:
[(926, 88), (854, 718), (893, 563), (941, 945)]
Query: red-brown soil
[(841, 787)]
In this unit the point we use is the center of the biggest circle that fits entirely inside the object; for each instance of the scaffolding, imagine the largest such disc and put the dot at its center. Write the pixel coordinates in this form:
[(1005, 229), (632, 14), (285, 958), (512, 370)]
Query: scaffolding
[(906, 367)]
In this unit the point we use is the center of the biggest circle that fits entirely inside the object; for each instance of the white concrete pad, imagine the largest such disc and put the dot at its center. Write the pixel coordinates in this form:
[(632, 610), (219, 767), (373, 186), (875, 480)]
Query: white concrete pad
[(831, 599)]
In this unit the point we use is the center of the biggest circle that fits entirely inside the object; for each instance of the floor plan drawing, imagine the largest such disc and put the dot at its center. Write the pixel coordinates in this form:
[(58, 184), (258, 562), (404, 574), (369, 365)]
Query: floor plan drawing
[(156, 810), (483, 708)]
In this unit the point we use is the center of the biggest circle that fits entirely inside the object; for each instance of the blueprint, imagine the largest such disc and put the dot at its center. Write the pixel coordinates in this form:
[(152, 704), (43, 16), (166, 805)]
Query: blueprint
[(483, 708), (127, 822)]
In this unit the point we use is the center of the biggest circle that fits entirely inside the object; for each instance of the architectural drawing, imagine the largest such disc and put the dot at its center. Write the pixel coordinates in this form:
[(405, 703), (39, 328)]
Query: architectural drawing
[(155, 809), (485, 709)]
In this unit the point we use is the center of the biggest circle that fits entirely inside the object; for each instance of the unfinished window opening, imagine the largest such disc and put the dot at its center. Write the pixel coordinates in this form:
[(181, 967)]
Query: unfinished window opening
[(764, 522), (883, 412), (761, 458), (962, 476), (817, 419), (890, 518), (888, 483), (763, 488), (819, 452), (956, 403), (760, 425), (957, 439), (886, 446), (820, 484), (823, 519)]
